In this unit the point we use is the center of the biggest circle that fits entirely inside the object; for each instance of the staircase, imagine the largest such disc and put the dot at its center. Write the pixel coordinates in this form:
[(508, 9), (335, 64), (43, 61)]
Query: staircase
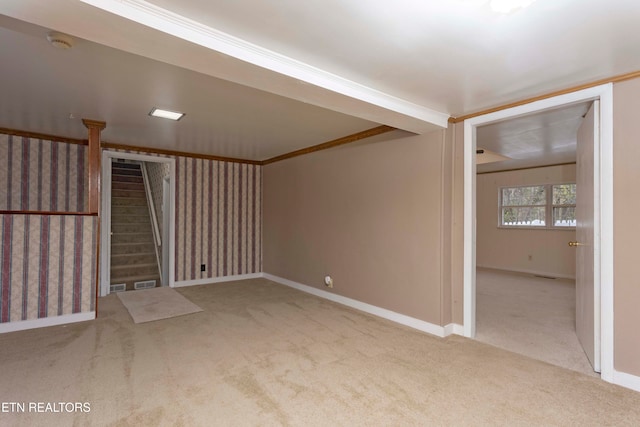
[(133, 257)]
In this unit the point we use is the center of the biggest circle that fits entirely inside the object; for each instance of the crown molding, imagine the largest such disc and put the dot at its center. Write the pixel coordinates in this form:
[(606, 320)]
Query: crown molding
[(43, 136), (614, 79), (187, 29), (330, 144), (164, 152)]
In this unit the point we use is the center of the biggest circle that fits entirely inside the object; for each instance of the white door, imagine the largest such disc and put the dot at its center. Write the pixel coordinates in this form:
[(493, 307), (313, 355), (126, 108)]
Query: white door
[(587, 286)]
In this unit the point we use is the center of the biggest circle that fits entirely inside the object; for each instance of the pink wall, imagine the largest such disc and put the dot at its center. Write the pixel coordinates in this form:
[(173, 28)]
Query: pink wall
[(626, 233), (535, 251), (369, 215)]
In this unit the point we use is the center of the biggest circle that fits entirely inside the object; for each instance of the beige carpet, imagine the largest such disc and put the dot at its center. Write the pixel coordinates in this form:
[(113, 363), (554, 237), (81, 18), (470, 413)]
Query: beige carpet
[(262, 354), (148, 305), (530, 315)]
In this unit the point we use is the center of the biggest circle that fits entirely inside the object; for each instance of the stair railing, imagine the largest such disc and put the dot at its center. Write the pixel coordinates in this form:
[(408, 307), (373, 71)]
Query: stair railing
[(154, 218)]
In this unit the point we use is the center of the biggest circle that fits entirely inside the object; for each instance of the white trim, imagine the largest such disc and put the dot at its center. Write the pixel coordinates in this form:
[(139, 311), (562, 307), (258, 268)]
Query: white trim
[(105, 229), (157, 240), (597, 240), (164, 20), (606, 234), (625, 380), (605, 94), (151, 205), (166, 226), (212, 280), (46, 321), (533, 272), (453, 328), (402, 319), (469, 231)]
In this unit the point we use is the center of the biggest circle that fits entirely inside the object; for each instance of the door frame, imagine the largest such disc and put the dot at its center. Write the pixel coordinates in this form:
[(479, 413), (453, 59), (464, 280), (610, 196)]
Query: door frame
[(603, 220), (105, 225)]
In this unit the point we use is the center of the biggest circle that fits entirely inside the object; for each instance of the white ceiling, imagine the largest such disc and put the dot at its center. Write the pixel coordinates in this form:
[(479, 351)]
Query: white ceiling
[(94, 81), (539, 139), (409, 64)]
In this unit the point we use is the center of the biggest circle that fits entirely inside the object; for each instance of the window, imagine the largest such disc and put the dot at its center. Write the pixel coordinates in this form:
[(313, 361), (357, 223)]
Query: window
[(543, 206), (564, 205)]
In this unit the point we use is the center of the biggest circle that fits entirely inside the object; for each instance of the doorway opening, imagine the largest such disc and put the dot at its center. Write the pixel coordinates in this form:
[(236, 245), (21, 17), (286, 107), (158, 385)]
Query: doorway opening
[(525, 277), (160, 253), (603, 210)]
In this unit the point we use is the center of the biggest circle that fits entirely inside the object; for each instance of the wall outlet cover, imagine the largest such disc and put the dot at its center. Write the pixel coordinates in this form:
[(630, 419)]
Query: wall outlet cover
[(328, 281)]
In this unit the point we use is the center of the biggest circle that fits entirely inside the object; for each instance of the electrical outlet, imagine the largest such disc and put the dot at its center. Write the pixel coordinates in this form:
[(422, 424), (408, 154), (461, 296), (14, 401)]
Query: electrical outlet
[(203, 267), (328, 281)]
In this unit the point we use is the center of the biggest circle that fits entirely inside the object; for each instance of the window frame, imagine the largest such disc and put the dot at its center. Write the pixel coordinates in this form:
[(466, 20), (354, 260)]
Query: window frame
[(548, 208)]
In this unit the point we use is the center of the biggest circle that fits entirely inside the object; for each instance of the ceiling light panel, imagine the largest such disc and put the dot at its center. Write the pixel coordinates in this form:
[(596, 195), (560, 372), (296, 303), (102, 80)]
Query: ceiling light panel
[(166, 114)]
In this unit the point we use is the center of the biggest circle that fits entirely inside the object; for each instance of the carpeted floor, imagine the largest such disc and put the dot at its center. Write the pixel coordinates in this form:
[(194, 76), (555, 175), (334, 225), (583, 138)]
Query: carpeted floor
[(264, 354), (530, 315)]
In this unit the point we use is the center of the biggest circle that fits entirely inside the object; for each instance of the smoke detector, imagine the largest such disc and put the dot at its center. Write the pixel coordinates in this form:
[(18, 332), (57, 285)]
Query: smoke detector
[(61, 41)]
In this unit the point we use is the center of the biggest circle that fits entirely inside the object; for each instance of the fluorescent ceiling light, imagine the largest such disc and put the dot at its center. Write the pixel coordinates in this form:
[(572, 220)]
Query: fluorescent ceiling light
[(508, 6), (166, 114)]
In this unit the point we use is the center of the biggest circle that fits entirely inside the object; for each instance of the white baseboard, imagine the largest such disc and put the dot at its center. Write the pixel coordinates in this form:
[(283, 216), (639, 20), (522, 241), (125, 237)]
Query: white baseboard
[(211, 280), (533, 272), (21, 325), (626, 380), (402, 319), (453, 328)]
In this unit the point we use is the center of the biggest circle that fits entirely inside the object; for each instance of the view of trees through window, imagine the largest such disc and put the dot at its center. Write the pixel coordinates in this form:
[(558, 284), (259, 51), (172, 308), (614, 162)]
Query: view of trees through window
[(564, 205), (538, 206)]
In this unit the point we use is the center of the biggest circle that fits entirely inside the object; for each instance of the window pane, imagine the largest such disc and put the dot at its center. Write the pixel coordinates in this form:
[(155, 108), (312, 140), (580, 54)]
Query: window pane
[(530, 216), (518, 196), (564, 194), (564, 217)]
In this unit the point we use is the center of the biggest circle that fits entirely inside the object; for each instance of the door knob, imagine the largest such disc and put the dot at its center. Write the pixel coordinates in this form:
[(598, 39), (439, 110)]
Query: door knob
[(574, 244)]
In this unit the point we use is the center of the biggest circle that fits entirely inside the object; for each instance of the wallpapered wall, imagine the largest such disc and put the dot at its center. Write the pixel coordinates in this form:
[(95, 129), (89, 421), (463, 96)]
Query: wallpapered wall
[(40, 175), (47, 262), (218, 218), (47, 266)]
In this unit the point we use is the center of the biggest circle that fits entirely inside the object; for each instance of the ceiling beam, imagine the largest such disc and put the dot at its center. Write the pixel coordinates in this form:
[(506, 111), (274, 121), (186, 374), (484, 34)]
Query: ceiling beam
[(179, 26), (147, 30)]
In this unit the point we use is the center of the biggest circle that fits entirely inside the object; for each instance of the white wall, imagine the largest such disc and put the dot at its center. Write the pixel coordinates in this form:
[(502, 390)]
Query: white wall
[(510, 249)]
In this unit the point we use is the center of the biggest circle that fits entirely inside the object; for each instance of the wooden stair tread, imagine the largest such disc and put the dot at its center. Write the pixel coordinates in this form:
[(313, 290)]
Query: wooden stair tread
[(137, 254), (133, 258), (130, 222), (120, 267)]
